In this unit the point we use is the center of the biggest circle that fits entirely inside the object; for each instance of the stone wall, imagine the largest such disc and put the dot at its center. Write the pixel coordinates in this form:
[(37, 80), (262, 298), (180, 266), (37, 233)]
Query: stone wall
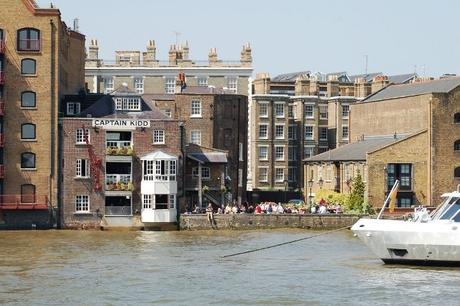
[(250, 221)]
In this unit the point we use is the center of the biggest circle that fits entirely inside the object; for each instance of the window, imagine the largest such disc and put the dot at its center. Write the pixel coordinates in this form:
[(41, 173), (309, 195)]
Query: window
[(28, 99), (457, 173), (241, 151), (158, 136), (401, 172), (263, 174), (232, 84), (292, 153), (322, 149), (125, 59), (28, 193), (292, 132), (167, 112), (139, 85), (323, 133), (196, 108), (308, 111), (195, 137), (279, 109), (28, 66), (308, 152), (73, 108), (345, 111), (147, 201), (292, 174), (240, 178), (457, 118), (28, 160), (263, 153), (108, 85), (128, 104), (457, 146), (279, 131), (279, 153), (81, 203), (159, 170), (80, 136), (170, 84), (205, 172), (203, 81), (344, 132), (291, 111), (28, 40), (279, 175), (28, 131), (263, 109), (263, 131), (82, 168), (308, 132), (323, 112)]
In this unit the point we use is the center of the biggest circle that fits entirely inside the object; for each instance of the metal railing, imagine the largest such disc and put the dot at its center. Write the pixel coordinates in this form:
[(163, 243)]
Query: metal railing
[(118, 182), (23, 201), (119, 147), (29, 45), (118, 210)]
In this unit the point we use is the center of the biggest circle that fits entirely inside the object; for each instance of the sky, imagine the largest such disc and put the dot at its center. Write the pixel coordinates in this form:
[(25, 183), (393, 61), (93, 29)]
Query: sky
[(286, 36)]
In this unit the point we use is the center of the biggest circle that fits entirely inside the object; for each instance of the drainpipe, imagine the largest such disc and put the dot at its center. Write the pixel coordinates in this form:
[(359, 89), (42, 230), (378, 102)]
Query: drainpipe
[(53, 114), (182, 150)]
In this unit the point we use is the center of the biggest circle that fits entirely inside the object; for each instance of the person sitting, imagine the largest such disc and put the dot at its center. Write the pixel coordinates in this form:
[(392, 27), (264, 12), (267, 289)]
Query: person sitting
[(313, 209), (280, 209), (258, 209), (322, 209), (269, 209), (338, 209)]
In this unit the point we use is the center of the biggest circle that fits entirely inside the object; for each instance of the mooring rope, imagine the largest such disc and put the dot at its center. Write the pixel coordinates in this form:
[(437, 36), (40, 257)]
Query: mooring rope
[(287, 242)]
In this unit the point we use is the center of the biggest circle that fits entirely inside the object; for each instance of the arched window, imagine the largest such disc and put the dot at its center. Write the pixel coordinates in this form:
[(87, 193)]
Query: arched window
[(457, 118), (28, 160), (457, 173), (27, 193), (28, 99), (457, 146), (28, 66), (28, 39), (28, 131)]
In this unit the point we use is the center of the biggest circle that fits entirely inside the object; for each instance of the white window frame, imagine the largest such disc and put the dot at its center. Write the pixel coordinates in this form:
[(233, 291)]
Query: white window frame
[(73, 108), (79, 168), (276, 131), (312, 132), (309, 148), (170, 85), (345, 115), (82, 204), (195, 109), (345, 137), (202, 81), (232, 84), (279, 179), (279, 154), (80, 136), (277, 107), (196, 134), (158, 136), (205, 172), (139, 85), (128, 104), (263, 106), (263, 180), (147, 201), (309, 116), (259, 153), (108, 85), (323, 115), (266, 131)]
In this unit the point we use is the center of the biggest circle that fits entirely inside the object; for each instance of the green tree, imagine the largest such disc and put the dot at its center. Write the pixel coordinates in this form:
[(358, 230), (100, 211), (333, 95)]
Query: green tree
[(356, 200)]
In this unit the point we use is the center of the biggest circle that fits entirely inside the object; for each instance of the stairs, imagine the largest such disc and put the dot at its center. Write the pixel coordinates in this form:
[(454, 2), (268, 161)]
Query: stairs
[(214, 196)]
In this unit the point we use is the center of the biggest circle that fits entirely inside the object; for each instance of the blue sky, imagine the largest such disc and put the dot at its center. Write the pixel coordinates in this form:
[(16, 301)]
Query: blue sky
[(286, 36)]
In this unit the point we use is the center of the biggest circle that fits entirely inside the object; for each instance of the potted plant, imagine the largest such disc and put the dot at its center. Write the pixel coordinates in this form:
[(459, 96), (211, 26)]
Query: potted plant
[(205, 188), (110, 185), (129, 151), (130, 186)]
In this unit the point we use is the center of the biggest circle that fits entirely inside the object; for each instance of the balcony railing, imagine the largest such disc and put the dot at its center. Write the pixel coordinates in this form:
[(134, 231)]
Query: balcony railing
[(118, 210), (2, 108), (118, 182), (2, 78), (29, 45), (2, 46), (23, 201), (119, 148), (159, 177)]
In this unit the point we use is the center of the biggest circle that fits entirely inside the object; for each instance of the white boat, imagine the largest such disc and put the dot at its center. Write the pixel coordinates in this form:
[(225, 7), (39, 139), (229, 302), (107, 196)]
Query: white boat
[(424, 239)]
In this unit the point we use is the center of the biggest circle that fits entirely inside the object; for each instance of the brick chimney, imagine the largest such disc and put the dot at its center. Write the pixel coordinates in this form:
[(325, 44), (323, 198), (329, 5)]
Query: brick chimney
[(314, 86), (362, 89), (262, 83), (379, 82), (246, 55), (302, 85), (212, 57), (149, 57), (333, 89), (93, 50)]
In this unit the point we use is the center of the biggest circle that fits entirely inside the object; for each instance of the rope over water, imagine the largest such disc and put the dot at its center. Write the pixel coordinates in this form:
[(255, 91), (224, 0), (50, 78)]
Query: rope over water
[(287, 242)]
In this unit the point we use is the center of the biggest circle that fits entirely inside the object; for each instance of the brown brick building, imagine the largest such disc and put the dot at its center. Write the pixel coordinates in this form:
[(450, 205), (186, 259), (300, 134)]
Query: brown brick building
[(41, 60), (129, 175)]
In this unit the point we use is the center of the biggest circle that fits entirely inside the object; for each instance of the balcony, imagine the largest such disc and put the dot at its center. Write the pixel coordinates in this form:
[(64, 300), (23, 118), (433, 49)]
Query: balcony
[(119, 148), (118, 206), (2, 78), (2, 47), (118, 182), (24, 201), (2, 108)]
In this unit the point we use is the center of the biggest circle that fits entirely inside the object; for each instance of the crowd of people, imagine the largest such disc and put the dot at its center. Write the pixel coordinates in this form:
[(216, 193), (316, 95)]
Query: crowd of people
[(322, 207)]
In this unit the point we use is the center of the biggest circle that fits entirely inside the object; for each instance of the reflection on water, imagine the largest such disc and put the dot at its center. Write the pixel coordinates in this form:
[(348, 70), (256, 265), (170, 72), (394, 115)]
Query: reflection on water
[(145, 268)]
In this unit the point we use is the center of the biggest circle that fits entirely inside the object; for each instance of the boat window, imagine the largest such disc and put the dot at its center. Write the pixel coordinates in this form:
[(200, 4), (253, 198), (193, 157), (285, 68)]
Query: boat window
[(447, 201), (457, 218), (452, 209)]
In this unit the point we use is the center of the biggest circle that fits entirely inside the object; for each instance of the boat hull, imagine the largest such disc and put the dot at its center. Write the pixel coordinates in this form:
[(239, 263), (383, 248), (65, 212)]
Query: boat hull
[(403, 242)]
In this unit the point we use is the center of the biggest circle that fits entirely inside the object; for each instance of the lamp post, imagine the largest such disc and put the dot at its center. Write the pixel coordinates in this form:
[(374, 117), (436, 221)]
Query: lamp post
[(320, 183), (310, 185), (286, 186)]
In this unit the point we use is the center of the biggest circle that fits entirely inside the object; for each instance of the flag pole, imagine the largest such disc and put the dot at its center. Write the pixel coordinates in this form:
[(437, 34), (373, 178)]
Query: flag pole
[(396, 184)]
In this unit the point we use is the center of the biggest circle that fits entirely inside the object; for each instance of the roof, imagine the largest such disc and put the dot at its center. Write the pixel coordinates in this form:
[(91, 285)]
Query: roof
[(163, 97), (401, 78), (367, 77), (289, 77), (205, 90), (415, 89), (209, 157), (124, 90), (355, 151), (158, 155)]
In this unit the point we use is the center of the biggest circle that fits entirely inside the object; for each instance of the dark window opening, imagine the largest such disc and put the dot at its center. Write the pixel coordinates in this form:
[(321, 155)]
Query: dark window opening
[(118, 168), (27, 160), (457, 118), (28, 99), (28, 39), (28, 131), (28, 66), (457, 172)]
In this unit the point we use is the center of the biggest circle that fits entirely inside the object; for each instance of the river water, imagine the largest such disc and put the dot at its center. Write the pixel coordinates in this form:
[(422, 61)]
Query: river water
[(186, 268)]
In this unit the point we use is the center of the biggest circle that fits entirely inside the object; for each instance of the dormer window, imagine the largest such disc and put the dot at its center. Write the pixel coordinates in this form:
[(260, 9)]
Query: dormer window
[(128, 104)]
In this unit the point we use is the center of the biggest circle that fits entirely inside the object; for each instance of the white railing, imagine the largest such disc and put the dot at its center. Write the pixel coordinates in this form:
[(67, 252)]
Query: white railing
[(118, 143), (155, 177)]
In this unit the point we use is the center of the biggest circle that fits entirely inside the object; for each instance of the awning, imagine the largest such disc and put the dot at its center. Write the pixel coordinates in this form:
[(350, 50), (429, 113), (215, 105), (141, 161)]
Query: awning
[(211, 157)]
